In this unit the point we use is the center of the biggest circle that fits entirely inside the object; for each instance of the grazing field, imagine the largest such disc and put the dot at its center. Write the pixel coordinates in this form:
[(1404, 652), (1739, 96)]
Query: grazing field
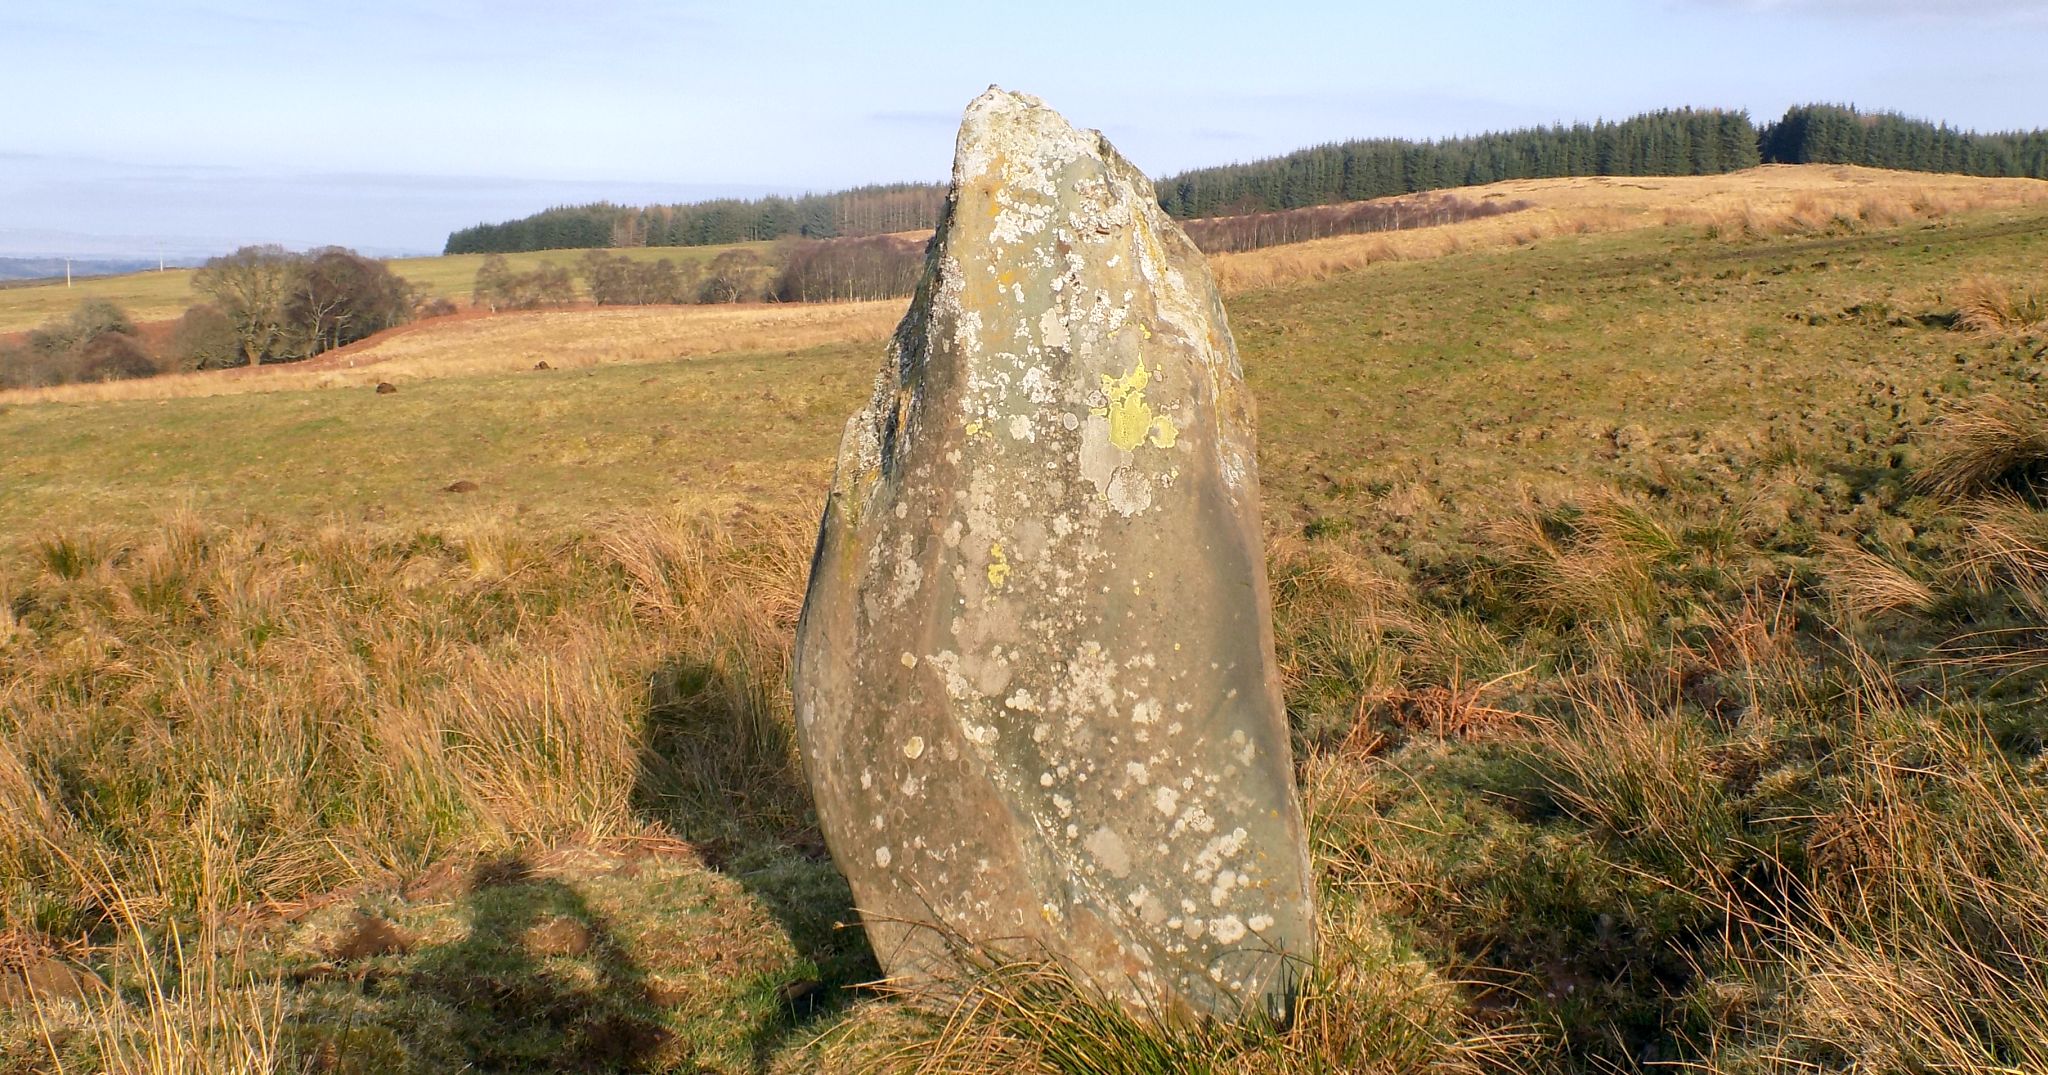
[(1662, 611), (158, 296), (1772, 199), (465, 344)]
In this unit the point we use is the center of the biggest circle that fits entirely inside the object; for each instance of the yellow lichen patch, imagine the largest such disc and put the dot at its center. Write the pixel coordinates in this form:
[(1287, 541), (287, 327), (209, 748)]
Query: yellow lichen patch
[(998, 567), (1129, 415), (1130, 418)]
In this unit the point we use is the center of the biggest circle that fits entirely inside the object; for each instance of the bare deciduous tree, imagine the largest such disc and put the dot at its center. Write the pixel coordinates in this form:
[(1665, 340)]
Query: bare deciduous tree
[(251, 287)]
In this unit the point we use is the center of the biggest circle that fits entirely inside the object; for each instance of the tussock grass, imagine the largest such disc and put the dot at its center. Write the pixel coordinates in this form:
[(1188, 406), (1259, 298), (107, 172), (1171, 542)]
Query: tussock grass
[(281, 711), (1989, 306), (1369, 1006), (2008, 548), (1870, 586), (1995, 443), (199, 1012)]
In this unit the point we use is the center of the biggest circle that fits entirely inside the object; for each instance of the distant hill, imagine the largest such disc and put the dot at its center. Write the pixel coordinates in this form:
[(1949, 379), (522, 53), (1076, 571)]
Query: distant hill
[(50, 268), (1685, 141)]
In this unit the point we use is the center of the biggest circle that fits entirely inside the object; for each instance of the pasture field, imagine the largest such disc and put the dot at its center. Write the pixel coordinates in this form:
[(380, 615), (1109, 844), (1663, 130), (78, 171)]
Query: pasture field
[(161, 296), (1772, 199), (1661, 610)]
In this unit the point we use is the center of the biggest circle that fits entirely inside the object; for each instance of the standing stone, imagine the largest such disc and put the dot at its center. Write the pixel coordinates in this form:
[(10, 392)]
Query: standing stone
[(1034, 680)]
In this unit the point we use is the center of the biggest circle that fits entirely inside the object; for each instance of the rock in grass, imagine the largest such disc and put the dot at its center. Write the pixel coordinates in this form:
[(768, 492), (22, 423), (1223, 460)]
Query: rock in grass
[(1035, 684)]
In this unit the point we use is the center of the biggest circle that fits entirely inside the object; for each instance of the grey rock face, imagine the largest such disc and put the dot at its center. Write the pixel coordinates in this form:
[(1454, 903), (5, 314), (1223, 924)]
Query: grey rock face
[(1035, 687)]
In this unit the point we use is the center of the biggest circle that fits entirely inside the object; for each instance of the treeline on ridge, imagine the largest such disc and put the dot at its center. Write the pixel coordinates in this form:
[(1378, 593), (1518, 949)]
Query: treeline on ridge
[(1675, 142), (1839, 134), (869, 210), (855, 268), (1671, 142)]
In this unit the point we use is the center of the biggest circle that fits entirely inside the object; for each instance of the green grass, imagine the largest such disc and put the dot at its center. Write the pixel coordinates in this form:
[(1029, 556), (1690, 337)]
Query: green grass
[(156, 296), (550, 446), (1551, 365), (1661, 621)]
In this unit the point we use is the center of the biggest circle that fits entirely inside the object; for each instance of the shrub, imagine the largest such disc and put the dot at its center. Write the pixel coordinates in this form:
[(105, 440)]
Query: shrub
[(735, 276), (499, 288), (204, 340), (617, 280), (93, 317), (845, 270), (114, 356), (96, 342)]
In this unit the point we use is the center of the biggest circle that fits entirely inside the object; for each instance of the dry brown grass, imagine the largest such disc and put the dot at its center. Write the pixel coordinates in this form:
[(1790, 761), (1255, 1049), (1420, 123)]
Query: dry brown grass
[(1993, 443), (1989, 306), (1366, 1008), (1920, 946), (1868, 586), (1772, 200), (508, 342), (286, 711), (2008, 548)]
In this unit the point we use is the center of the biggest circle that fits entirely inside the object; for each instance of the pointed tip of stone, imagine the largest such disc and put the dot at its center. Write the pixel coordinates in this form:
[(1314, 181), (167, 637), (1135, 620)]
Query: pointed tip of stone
[(1005, 123), (998, 99)]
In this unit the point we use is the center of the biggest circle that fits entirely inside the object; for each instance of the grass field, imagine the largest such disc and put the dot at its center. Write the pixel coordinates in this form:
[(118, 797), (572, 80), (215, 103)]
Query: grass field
[(573, 339), (1661, 610), (158, 296), (1765, 200)]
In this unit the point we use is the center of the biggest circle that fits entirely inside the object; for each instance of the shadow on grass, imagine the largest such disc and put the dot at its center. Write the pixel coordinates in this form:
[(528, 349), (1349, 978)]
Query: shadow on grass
[(719, 768), (515, 1012)]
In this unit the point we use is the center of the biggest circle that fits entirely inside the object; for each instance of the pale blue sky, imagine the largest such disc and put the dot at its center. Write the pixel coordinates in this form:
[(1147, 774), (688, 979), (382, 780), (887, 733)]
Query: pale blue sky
[(382, 124)]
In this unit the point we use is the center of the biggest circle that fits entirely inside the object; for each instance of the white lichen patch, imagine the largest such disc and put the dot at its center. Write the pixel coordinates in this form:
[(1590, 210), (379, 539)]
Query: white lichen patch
[(1109, 851), (1052, 331), (1166, 801)]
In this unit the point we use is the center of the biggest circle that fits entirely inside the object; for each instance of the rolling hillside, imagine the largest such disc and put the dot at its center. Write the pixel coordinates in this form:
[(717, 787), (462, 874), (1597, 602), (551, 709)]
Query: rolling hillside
[(1660, 600)]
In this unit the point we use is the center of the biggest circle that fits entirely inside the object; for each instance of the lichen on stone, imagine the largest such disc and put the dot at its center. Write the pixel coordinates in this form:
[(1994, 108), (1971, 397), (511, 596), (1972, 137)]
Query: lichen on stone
[(1034, 668)]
